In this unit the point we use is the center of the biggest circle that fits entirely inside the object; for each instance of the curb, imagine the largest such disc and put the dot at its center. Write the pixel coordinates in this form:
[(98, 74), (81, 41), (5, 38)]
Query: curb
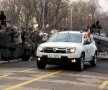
[(102, 58)]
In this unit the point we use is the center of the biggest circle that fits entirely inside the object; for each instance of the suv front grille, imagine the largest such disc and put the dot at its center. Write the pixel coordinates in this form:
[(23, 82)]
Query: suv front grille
[(54, 50)]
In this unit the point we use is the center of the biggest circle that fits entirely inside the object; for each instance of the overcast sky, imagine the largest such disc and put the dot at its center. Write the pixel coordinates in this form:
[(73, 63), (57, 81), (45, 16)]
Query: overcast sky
[(102, 3)]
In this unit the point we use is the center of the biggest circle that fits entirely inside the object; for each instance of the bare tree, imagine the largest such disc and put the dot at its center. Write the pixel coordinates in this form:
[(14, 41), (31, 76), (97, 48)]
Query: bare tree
[(22, 11), (83, 13)]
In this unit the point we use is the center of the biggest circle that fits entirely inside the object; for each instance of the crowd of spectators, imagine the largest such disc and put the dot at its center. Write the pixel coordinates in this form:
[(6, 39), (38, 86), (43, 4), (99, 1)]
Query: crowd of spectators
[(11, 35)]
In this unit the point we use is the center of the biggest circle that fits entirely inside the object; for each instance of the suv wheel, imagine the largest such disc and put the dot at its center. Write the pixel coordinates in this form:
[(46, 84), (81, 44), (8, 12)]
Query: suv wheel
[(81, 63), (41, 65), (94, 60)]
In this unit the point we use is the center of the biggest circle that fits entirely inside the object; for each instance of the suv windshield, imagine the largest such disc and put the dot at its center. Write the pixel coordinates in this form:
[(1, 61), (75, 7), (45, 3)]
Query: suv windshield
[(66, 37)]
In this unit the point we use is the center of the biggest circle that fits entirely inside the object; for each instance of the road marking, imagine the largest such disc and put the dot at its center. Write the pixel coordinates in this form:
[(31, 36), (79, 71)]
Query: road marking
[(25, 70), (32, 80), (70, 82), (103, 85), (5, 75), (14, 73)]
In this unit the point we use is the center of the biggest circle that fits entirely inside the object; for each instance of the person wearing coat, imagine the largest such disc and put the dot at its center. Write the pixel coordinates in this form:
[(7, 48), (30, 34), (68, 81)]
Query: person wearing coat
[(2, 18)]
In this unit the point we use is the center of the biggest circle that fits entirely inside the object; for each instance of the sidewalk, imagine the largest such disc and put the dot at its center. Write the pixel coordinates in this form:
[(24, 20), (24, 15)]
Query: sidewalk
[(102, 55)]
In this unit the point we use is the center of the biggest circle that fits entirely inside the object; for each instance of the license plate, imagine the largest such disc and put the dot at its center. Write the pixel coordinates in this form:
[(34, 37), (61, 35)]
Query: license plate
[(54, 56)]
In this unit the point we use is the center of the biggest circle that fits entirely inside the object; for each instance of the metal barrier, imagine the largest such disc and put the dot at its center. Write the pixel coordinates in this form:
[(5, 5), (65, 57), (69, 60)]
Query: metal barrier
[(101, 42)]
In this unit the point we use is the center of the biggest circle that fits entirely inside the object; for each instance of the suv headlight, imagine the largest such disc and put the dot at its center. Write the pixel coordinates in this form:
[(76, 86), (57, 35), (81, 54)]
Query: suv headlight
[(40, 49), (71, 50)]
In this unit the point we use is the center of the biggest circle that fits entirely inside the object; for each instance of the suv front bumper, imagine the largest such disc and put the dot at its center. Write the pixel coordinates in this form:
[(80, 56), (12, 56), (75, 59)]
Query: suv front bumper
[(64, 60)]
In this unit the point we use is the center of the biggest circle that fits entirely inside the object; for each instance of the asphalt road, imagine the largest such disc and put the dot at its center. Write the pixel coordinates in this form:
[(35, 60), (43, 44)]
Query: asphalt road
[(20, 75)]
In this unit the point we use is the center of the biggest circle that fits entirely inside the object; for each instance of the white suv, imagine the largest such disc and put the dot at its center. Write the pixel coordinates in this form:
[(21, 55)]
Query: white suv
[(67, 48)]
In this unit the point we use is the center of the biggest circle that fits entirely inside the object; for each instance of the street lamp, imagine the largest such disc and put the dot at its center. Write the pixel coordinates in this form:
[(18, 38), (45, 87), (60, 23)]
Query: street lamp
[(43, 24), (71, 19)]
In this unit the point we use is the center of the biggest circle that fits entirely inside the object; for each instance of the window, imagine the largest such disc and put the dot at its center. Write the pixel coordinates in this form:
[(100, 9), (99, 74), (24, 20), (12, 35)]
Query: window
[(66, 37), (86, 39)]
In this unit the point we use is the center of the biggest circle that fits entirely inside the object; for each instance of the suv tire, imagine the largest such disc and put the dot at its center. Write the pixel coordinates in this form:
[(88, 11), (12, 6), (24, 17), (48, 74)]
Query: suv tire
[(41, 65), (81, 63), (94, 60)]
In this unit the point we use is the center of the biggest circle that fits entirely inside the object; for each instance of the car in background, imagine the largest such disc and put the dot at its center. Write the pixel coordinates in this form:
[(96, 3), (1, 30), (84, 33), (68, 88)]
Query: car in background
[(67, 48)]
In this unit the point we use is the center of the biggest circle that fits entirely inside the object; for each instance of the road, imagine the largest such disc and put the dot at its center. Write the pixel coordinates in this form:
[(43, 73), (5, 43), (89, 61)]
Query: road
[(20, 75)]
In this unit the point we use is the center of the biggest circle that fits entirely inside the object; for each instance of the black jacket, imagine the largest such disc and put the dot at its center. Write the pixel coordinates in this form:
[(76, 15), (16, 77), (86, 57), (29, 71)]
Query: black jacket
[(3, 19)]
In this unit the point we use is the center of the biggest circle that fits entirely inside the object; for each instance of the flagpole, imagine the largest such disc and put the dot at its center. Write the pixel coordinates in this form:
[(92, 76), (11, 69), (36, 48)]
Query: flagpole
[(71, 18)]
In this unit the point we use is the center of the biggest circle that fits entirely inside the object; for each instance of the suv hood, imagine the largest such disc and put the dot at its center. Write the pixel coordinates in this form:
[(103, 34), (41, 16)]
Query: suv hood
[(60, 44)]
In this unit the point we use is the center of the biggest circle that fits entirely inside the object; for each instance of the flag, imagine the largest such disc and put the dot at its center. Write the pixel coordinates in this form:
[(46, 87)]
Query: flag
[(89, 33)]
